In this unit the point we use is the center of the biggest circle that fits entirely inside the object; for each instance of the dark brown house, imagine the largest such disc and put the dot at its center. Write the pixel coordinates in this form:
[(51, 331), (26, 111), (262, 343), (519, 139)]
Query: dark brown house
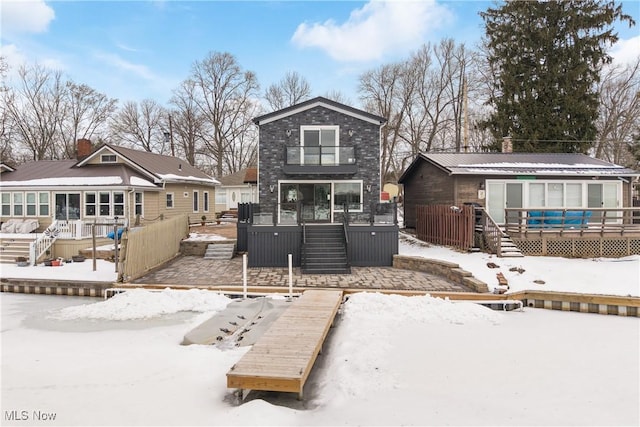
[(497, 181)]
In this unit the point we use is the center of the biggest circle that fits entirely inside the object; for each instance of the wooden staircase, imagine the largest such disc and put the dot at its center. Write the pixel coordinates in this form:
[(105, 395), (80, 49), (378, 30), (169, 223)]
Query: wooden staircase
[(325, 250), (508, 249), (14, 246)]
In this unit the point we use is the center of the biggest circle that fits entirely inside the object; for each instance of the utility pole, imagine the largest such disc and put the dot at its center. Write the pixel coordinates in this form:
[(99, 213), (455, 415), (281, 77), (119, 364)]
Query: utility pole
[(173, 148), (466, 117)]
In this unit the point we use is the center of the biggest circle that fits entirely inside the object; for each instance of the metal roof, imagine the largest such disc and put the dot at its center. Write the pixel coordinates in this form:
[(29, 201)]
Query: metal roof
[(540, 164)]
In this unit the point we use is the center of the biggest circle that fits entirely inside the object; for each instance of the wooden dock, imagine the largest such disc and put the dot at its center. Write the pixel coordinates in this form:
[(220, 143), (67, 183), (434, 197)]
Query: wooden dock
[(282, 358)]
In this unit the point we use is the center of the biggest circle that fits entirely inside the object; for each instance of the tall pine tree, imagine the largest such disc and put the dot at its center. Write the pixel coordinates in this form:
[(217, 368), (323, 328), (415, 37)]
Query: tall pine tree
[(547, 57)]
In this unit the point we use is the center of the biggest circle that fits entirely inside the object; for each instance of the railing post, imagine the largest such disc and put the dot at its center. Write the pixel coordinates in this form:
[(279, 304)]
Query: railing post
[(395, 213), (371, 213)]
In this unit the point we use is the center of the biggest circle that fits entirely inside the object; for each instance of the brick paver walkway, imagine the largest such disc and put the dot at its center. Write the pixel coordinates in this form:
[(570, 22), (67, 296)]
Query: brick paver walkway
[(197, 271)]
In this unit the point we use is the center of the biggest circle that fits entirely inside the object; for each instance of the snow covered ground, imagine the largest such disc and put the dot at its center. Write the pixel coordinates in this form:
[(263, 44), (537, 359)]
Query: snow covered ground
[(391, 360), (613, 276)]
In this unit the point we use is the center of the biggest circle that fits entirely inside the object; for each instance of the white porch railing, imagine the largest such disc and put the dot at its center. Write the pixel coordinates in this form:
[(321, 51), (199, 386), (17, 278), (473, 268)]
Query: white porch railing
[(76, 230)]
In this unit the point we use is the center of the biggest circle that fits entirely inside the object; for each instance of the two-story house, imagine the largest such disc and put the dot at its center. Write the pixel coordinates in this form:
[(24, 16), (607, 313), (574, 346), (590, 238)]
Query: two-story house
[(318, 181)]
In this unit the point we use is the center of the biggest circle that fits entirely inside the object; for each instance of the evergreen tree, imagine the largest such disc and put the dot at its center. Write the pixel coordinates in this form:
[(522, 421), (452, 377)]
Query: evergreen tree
[(546, 57)]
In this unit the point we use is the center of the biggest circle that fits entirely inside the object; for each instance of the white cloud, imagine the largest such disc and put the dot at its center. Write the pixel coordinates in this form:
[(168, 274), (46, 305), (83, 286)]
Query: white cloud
[(13, 56), (626, 51), (376, 29), (25, 16), (122, 64)]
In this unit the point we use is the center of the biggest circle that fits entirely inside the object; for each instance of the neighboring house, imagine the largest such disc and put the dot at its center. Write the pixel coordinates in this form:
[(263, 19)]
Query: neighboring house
[(319, 166), (239, 187), (514, 180), (103, 184)]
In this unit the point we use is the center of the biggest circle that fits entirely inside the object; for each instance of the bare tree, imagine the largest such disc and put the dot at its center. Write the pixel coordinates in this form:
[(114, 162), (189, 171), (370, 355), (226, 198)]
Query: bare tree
[(382, 93), (337, 96), (141, 126), (35, 109), (291, 90), (6, 95), (225, 94), (87, 114), (619, 112), (187, 122)]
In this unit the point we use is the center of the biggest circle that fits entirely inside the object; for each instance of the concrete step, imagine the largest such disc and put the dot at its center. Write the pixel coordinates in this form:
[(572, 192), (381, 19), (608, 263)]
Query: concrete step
[(220, 251)]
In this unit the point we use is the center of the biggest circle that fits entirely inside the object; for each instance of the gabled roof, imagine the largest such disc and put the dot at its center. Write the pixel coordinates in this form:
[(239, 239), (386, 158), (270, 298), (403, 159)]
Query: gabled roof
[(243, 176), (63, 173), (5, 168), (323, 102), (140, 169), (158, 167), (535, 164)]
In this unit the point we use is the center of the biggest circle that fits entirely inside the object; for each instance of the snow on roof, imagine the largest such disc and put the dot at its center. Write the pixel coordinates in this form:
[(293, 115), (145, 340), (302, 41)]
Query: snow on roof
[(520, 165), (174, 177), (62, 181), (139, 182)]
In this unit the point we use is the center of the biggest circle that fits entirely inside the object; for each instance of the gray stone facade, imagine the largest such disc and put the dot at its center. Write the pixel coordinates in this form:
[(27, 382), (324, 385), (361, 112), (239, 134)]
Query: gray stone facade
[(355, 132)]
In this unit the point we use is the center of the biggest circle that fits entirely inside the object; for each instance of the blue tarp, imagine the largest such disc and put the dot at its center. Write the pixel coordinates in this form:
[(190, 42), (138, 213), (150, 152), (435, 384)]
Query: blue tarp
[(111, 234), (550, 219)]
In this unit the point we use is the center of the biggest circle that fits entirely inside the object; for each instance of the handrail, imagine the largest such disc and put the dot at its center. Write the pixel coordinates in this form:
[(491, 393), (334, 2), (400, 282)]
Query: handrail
[(564, 220), (39, 246), (492, 232)]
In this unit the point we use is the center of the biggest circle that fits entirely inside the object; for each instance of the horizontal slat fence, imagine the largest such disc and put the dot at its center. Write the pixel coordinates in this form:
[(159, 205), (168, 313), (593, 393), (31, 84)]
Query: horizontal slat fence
[(148, 247), (446, 225)]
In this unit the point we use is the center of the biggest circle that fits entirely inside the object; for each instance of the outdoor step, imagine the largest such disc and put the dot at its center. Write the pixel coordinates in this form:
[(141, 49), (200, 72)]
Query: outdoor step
[(219, 251), (327, 270)]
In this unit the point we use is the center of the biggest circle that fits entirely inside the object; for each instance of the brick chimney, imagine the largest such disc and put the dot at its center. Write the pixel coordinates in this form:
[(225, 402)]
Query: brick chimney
[(507, 145), (83, 148)]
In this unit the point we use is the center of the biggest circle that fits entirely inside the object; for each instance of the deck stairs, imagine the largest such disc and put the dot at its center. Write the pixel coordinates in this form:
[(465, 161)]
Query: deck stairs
[(325, 250), (508, 249), (14, 246), (220, 251)]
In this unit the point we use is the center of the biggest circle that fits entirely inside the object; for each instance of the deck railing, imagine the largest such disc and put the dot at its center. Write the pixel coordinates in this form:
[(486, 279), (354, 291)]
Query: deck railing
[(574, 220), (320, 155), (297, 213)]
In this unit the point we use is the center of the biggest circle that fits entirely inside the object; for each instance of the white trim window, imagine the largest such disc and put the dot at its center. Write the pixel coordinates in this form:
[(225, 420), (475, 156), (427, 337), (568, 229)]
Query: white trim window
[(319, 145), (138, 203), (31, 204), (108, 158), (196, 201), (221, 197), (90, 204), (6, 204), (349, 193), (18, 209), (170, 201), (43, 204), (205, 201)]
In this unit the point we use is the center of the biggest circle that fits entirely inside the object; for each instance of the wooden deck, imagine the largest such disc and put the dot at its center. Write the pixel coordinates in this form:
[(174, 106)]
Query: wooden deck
[(283, 357)]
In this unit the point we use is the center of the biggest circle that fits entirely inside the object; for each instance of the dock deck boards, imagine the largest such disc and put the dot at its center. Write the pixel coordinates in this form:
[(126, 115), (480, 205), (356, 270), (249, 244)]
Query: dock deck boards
[(283, 357)]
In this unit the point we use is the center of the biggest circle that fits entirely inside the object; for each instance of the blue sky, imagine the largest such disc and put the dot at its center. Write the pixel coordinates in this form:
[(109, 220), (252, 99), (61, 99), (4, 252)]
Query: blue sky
[(133, 50)]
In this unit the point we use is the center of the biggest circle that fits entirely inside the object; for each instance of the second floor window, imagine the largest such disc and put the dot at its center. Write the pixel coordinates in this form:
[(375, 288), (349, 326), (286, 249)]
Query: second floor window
[(319, 145)]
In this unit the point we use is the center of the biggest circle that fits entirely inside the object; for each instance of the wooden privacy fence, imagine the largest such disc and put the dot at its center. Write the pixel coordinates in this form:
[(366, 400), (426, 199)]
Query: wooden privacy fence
[(446, 225), (144, 248)]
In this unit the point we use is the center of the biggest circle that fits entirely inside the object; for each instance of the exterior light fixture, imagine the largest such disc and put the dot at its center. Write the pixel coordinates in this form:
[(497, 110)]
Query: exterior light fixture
[(288, 132)]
